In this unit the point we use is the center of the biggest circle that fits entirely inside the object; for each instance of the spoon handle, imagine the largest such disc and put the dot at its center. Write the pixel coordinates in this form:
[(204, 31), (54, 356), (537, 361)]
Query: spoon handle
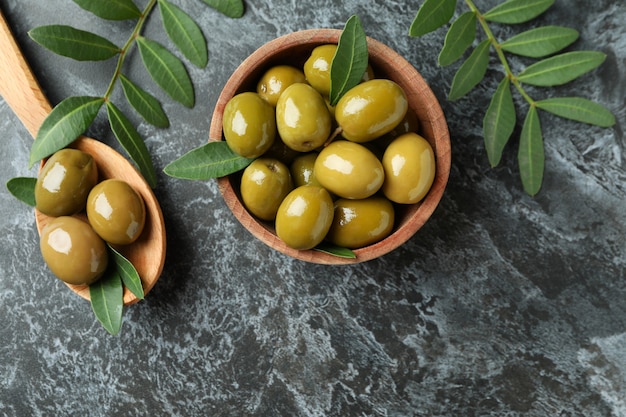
[(18, 85)]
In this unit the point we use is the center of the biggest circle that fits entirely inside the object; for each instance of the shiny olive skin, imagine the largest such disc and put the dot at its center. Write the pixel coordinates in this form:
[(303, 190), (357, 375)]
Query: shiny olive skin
[(409, 163), (370, 110), (64, 182), (349, 170), (264, 185), (302, 170), (73, 251), (276, 79), (304, 217), (358, 223), (116, 211), (302, 118), (317, 67), (249, 125)]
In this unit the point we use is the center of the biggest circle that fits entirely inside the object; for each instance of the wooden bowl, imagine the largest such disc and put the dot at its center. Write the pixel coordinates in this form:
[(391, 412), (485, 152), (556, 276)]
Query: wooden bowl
[(294, 49)]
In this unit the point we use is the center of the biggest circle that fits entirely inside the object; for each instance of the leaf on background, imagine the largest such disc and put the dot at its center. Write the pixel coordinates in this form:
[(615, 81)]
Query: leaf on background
[(561, 69), (499, 122), (130, 140), (111, 9), (350, 60), (578, 109), (530, 154), (471, 71), (167, 71), (107, 300), (540, 42), (144, 103), (431, 15), (212, 160), (128, 273), (74, 43), (23, 188), (230, 8), (185, 33), (67, 121), (517, 11), (460, 36), (335, 250)]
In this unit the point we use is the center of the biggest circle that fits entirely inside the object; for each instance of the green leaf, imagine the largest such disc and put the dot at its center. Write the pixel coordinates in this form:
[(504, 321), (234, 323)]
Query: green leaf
[(212, 160), (128, 273), (471, 72), (23, 188), (67, 121), (335, 250), (460, 36), (530, 154), (185, 33), (561, 69), (74, 43), (130, 140), (578, 109), (540, 42), (144, 103), (107, 300), (111, 9), (431, 16), (517, 11), (499, 122), (230, 8), (350, 60), (167, 71)]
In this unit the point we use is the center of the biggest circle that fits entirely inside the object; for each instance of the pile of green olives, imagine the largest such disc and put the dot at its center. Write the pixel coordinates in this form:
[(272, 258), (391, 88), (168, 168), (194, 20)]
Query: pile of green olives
[(322, 172), (86, 215)]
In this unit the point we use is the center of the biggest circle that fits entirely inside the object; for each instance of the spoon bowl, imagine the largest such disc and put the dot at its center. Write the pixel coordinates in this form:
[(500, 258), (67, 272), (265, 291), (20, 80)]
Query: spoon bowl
[(21, 91)]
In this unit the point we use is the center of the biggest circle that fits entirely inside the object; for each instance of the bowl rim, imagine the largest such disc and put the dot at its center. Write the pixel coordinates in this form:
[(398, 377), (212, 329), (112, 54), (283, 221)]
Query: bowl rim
[(436, 133)]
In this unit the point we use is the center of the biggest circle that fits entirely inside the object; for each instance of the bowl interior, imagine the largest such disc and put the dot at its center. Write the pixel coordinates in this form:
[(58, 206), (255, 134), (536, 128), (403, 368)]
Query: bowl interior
[(294, 49)]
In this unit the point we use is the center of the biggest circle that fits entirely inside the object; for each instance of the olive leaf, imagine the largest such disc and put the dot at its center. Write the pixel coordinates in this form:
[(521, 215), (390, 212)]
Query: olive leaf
[(471, 72), (530, 154), (578, 109), (460, 36), (211, 160), (74, 43), (144, 103), (335, 250), (561, 69), (499, 122), (350, 60), (23, 188), (107, 300), (185, 33), (517, 11), (132, 143), (540, 42), (230, 8), (167, 71), (111, 9), (431, 16), (128, 273), (67, 121)]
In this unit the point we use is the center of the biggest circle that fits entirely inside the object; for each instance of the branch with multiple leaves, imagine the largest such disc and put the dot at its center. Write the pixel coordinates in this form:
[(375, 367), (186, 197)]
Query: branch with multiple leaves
[(554, 68), (73, 115)]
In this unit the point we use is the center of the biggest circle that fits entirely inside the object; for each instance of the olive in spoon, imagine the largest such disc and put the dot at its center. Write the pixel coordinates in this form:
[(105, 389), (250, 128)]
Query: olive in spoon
[(21, 90)]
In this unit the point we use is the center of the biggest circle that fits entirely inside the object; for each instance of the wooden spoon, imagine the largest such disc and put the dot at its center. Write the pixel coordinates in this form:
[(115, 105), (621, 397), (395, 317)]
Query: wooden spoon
[(21, 91)]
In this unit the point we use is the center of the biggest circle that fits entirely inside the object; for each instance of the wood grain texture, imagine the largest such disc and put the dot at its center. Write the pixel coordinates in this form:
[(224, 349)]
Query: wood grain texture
[(20, 89), (294, 49)]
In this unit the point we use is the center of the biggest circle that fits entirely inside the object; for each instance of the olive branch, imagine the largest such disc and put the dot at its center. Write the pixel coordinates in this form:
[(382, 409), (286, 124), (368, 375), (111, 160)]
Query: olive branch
[(554, 68)]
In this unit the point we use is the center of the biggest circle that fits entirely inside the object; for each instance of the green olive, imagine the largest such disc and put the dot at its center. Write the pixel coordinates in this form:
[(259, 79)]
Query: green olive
[(302, 118), (317, 67), (73, 251), (304, 217), (349, 170), (275, 80), (64, 182), (116, 211), (371, 109), (359, 223), (409, 163), (264, 185), (302, 170), (249, 125)]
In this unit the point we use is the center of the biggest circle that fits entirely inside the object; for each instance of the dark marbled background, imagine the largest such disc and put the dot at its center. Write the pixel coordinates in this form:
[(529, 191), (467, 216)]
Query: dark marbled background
[(502, 305)]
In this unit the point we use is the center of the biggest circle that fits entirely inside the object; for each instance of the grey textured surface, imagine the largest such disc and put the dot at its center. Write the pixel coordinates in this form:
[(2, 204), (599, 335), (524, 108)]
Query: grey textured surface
[(502, 305)]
